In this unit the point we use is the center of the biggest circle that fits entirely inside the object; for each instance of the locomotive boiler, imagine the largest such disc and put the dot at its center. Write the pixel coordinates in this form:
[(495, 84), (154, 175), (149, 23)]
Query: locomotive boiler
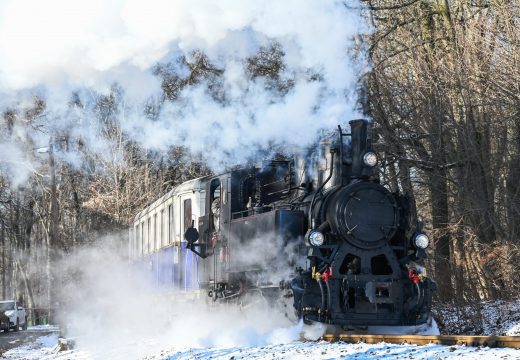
[(319, 229)]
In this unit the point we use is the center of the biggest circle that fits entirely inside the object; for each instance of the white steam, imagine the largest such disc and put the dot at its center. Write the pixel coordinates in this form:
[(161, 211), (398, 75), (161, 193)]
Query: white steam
[(112, 310), (14, 163), (271, 252), (55, 48), (91, 43)]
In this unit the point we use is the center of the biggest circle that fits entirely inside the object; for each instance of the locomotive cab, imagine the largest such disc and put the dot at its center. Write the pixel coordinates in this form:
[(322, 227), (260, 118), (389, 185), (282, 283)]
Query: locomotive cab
[(244, 231)]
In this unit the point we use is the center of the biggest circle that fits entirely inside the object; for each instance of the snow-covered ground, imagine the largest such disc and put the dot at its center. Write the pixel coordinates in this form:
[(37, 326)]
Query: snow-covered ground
[(251, 342), (323, 350), (46, 348), (490, 318)]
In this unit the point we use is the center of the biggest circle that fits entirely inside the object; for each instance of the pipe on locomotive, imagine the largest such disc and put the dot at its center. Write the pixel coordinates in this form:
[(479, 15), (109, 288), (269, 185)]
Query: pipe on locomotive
[(329, 296), (322, 292), (312, 225)]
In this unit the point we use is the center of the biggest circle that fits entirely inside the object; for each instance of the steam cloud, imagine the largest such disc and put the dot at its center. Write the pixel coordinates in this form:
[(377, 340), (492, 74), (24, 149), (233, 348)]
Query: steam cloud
[(113, 311), (55, 48)]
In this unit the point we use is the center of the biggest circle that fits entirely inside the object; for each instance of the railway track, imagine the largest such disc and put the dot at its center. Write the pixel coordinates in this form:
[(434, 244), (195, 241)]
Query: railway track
[(491, 341)]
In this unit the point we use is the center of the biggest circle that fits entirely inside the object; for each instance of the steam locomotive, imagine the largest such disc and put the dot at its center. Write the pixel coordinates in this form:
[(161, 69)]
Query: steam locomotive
[(319, 229)]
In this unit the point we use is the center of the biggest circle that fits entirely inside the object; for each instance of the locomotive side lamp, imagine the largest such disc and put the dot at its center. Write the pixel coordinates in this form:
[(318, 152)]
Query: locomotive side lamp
[(370, 158), (421, 241), (315, 238)]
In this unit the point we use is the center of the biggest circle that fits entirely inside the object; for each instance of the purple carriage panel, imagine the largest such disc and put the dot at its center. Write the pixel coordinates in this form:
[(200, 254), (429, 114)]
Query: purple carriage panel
[(165, 278), (189, 270)]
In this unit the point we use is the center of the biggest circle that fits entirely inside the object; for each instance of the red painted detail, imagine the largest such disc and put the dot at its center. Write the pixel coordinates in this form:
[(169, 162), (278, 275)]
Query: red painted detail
[(412, 275), (325, 276)]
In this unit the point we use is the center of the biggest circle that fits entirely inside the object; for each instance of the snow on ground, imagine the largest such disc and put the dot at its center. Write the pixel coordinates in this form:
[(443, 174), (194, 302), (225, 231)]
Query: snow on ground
[(41, 348), (296, 350), (43, 328), (324, 350), (241, 342), (490, 318), (46, 349), (501, 318)]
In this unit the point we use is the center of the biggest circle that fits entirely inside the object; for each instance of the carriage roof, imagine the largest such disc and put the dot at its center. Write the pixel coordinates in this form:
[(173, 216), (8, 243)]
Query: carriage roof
[(194, 185)]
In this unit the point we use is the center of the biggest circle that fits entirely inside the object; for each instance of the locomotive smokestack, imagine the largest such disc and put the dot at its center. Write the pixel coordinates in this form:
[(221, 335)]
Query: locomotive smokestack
[(360, 147)]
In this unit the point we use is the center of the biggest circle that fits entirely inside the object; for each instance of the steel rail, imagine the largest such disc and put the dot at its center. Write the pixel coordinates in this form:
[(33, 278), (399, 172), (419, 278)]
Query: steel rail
[(468, 340)]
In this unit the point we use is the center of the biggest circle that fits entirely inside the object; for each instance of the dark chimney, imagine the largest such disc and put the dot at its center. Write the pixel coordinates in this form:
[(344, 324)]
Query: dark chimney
[(360, 145)]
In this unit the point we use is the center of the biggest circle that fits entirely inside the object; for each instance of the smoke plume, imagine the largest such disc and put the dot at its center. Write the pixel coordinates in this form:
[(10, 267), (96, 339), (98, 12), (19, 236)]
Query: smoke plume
[(245, 75)]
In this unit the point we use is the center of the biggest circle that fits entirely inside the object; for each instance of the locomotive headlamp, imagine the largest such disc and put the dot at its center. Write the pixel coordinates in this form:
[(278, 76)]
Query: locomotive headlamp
[(422, 241), (370, 159), (316, 238)]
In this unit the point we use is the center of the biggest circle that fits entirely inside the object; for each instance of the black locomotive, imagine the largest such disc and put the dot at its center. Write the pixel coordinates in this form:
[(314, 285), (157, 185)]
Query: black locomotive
[(348, 241)]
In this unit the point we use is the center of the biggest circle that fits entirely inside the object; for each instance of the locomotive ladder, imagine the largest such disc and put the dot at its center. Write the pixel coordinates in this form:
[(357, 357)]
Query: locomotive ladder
[(468, 340)]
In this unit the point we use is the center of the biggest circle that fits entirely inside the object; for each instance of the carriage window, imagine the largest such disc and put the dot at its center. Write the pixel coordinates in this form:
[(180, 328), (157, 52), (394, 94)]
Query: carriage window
[(161, 235), (137, 240), (148, 237), (155, 233), (170, 223), (187, 215), (142, 238)]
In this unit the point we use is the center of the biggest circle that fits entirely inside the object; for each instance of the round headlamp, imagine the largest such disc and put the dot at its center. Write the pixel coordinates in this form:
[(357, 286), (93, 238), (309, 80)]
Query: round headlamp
[(421, 241), (316, 238), (370, 159)]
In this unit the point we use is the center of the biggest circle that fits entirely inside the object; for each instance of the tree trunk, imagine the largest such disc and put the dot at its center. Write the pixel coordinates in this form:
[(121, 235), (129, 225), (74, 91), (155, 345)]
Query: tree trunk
[(4, 263), (440, 221), (27, 285)]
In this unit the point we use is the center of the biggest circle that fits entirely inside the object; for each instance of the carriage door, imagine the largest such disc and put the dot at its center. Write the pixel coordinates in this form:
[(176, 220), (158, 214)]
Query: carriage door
[(214, 208), (188, 263)]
